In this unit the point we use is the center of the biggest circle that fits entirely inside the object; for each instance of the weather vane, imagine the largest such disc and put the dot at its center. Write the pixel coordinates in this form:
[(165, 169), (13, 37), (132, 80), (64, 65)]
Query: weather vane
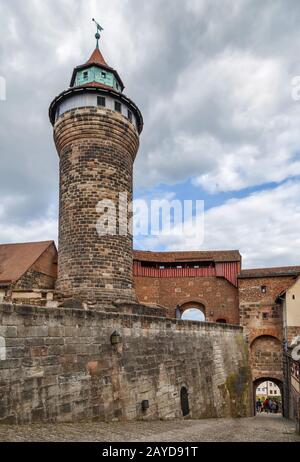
[(99, 30)]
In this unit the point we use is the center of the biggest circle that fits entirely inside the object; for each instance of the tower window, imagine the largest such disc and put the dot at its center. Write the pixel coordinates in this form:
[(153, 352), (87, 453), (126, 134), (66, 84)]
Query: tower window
[(263, 289), (118, 106), (265, 315), (103, 74), (294, 298), (129, 115), (101, 101), (85, 75)]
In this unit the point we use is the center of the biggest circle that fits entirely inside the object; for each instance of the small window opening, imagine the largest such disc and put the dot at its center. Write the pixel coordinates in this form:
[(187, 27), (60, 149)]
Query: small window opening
[(101, 101), (129, 115), (118, 106), (263, 289)]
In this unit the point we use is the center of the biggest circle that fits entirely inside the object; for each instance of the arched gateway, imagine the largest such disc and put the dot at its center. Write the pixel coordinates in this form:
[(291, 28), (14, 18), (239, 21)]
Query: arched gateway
[(192, 311)]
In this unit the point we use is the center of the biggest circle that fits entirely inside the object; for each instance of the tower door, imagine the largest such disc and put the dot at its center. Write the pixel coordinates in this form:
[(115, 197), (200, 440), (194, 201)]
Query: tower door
[(184, 396)]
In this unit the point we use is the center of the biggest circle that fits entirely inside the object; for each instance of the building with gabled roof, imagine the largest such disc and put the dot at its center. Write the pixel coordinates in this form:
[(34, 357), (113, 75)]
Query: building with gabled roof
[(26, 267)]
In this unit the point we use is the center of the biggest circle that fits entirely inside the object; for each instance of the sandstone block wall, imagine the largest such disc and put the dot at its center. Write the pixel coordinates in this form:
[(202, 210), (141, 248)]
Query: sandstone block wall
[(33, 279), (267, 358), (259, 313), (60, 365)]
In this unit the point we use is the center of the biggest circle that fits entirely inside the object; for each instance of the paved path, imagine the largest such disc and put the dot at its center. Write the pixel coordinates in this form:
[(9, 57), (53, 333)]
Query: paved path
[(260, 428)]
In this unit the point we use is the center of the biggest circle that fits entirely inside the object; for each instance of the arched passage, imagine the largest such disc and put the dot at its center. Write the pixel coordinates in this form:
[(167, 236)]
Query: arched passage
[(263, 390), (193, 311)]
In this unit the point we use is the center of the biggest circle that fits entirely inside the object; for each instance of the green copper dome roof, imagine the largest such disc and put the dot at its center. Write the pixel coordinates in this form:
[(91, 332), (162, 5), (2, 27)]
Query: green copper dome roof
[(97, 72)]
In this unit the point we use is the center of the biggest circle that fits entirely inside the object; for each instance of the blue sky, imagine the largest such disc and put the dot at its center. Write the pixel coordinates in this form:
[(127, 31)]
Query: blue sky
[(214, 81)]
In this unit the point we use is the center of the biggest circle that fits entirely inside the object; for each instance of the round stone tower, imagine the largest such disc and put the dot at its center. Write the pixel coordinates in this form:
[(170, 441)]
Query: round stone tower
[(96, 132)]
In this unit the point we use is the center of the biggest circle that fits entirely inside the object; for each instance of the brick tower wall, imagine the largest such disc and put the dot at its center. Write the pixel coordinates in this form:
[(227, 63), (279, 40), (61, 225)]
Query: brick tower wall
[(97, 148)]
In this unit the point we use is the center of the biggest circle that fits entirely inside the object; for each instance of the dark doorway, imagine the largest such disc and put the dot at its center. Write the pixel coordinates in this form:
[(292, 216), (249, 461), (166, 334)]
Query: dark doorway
[(184, 397)]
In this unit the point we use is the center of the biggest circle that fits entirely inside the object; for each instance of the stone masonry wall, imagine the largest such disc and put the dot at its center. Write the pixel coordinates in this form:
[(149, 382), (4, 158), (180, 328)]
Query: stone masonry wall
[(262, 319), (267, 358), (259, 312), (33, 279), (60, 365), (218, 295), (97, 148)]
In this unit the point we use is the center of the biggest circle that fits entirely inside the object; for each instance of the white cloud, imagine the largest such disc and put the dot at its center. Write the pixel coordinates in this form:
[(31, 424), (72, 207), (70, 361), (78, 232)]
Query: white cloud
[(264, 226), (41, 228), (234, 124)]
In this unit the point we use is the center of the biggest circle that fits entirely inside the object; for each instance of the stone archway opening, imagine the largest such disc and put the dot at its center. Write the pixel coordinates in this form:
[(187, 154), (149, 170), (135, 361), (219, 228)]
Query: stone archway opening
[(193, 312), (268, 396)]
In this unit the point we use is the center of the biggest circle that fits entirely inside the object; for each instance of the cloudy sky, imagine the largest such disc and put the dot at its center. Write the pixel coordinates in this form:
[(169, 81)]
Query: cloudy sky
[(213, 79)]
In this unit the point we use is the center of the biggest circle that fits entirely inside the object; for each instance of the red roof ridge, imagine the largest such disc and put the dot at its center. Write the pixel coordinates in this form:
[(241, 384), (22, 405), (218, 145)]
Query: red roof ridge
[(216, 255), (272, 268), (97, 58), (95, 84), (26, 243)]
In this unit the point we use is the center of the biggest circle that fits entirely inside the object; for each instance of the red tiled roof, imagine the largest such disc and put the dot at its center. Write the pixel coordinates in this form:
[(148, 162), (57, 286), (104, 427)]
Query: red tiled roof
[(217, 256), (96, 84), (270, 272), (16, 259), (97, 58)]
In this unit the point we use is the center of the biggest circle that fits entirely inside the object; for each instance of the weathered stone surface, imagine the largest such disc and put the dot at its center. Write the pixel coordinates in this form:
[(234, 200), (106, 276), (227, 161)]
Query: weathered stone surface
[(263, 428), (97, 148), (68, 370)]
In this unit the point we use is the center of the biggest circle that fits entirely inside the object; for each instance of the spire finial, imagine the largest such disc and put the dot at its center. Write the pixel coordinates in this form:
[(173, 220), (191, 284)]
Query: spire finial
[(99, 30)]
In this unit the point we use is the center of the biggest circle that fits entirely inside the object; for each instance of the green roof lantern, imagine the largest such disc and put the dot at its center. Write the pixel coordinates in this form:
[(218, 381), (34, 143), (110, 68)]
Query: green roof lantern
[(96, 72)]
